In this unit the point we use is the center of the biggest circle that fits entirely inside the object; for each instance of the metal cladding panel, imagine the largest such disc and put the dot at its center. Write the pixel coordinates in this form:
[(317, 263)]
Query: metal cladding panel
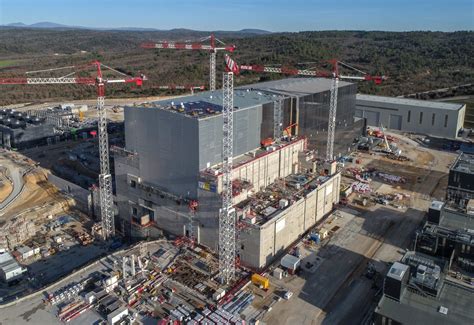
[(313, 119), (247, 126), (168, 147)]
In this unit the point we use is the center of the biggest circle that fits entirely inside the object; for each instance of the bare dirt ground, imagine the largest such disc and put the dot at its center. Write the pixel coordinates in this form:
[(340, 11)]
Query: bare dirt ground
[(37, 192)]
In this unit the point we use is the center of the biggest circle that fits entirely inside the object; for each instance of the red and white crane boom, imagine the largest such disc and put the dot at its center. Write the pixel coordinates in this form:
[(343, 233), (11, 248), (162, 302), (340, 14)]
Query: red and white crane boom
[(231, 65), (212, 48), (105, 178)]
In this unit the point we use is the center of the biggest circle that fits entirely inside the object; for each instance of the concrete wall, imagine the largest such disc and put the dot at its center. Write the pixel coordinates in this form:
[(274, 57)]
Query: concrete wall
[(408, 111), (266, 169), (259, 245), (80, 195)]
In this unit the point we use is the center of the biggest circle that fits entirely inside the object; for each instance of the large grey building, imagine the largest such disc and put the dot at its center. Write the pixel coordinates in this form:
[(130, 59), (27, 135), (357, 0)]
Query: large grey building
[(173, 153), (437, 119)]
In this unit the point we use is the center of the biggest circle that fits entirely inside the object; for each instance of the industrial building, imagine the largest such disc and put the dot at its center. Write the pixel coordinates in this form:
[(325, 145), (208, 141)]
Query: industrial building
[(461, 180), (168, 176), (449, 233), (438, 119), (417, 290), (10, 270), (22, 130)]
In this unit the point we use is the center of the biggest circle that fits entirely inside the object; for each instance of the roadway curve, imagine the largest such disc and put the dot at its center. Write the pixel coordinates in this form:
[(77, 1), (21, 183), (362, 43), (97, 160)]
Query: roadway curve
[(16, 177)]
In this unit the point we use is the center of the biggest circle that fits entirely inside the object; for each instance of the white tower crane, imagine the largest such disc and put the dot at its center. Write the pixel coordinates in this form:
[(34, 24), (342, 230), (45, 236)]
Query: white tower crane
[(227, 218), (335, 75), (105, 178), (212, 48)]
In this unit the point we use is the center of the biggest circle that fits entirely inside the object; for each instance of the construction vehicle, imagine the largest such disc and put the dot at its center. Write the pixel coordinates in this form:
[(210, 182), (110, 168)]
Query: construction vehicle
[(260, 281)]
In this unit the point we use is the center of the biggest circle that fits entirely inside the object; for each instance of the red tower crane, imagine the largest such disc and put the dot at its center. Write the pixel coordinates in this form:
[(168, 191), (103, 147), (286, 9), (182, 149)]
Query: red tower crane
[(105, 178), (335, 74), (212, 48)]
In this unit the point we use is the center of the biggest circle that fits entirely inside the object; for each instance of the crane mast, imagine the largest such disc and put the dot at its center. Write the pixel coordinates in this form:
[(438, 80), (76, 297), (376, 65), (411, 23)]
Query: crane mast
[(335, 75), (227, 213), (277, 118), (105, 178), (212, 48), (332, 118)]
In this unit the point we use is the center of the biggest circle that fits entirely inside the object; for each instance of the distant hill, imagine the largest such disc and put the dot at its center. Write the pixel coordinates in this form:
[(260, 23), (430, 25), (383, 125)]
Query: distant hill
[(50, 25), (413, 61)]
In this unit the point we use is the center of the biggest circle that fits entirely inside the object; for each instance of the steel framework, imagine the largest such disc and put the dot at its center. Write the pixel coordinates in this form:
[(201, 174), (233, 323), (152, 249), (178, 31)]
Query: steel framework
[(332, 118), (231, 65), (277, 118), (105, 178), (227, 212), (212, 70), (212, 48)]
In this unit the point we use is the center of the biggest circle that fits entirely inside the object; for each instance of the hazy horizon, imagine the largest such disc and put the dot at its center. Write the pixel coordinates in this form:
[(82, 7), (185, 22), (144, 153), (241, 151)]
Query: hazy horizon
[(274, 16)]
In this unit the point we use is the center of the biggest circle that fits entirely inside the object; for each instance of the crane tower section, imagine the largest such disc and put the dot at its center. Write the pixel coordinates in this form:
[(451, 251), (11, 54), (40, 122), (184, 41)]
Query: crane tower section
[(227, 212)]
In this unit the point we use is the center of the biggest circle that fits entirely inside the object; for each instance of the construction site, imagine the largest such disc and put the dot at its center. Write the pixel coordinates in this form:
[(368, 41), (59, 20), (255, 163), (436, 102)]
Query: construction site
[(265, 203)]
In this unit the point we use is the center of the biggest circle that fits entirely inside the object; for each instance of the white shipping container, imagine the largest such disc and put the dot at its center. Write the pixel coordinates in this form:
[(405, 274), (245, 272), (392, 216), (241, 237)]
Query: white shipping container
[(290, 262)]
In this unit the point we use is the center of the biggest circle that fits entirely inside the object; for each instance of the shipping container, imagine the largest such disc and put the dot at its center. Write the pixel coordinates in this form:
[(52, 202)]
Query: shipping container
[(290, 262)]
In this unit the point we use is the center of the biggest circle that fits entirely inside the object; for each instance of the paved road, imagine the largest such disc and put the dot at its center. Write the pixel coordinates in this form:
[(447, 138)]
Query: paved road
[(17, 182)]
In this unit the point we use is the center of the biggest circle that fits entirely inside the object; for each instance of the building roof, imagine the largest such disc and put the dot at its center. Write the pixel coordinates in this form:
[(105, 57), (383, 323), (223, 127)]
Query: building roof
[(397, 271), (414, 308), (208, 103), (5, 257), (453, 218), (409, 102), (464, 163), (423, 302), (295, 86), (436, 205)]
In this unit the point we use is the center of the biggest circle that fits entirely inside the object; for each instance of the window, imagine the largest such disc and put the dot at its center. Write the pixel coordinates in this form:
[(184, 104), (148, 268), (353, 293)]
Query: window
[(242, 246), (409, 116), (446, 121), (133, 184), (421, 117), (433, 119), (134, 211)]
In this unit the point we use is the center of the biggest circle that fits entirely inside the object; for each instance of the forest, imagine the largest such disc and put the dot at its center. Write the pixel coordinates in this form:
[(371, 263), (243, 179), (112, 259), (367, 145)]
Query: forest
[(412, 61)]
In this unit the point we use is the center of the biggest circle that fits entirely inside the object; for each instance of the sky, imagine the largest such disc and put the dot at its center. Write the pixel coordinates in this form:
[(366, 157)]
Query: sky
[(272, 15)]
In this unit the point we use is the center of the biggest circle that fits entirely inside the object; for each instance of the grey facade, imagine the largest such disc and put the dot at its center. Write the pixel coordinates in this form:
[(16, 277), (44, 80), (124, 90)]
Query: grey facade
[(174, 147), (307, 106), (437, 119), (169, 143)]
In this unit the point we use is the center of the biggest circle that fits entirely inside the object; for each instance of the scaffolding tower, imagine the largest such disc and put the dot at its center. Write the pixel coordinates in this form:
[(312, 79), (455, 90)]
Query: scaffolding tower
[(212, 70), (105, 178), (332, 118), (277, 119), (227, 212)]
